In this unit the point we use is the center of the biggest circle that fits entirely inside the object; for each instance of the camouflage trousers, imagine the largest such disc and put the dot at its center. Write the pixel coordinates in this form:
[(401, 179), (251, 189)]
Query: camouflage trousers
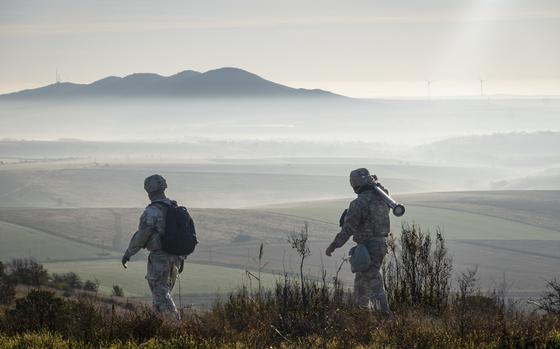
[(163, 270), (368, 285)]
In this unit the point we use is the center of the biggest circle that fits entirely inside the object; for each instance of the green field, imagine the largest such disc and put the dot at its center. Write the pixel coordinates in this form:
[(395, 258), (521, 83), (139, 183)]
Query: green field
[(17, 241), (457, 225), (196, 278)]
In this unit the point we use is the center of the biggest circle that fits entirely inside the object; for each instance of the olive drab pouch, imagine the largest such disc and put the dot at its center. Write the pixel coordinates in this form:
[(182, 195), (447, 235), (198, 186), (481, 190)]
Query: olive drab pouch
[(360, 259)]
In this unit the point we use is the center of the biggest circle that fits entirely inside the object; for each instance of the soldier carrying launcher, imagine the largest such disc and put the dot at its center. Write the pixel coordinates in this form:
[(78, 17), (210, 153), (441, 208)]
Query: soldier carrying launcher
[(367, 220)]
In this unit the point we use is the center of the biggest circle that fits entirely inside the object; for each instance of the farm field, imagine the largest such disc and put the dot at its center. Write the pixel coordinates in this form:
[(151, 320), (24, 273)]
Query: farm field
[(216, 184), (112, 228), (524, 255), (17, 241), (196, 279), (536, 207), (457, 225)]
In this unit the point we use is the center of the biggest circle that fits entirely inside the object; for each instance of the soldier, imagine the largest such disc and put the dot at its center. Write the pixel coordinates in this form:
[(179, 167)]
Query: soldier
[(163, 268), (367, 220)]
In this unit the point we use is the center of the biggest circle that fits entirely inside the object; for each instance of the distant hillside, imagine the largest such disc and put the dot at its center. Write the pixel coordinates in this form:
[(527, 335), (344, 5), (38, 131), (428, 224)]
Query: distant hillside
[(509, 149), (223, 82), (540, 208)]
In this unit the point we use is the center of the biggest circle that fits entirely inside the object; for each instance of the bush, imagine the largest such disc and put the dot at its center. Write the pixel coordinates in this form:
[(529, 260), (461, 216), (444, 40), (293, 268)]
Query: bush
[(92, 286), (28, 272), (550, 303), (66, 281), (419, 272), (7, 287), (43, 310), (40, 310), (118, 291), (7, 291)]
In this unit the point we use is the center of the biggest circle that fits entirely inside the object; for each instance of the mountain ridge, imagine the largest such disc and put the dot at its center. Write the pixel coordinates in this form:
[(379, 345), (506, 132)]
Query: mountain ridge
[(221, 82)]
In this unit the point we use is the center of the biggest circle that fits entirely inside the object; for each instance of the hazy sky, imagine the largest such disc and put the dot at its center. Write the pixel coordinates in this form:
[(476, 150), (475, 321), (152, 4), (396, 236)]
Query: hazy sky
[(358, 48)]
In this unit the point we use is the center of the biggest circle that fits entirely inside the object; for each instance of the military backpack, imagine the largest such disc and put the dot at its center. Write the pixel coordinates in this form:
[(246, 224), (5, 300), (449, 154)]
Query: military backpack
[(180, 235)]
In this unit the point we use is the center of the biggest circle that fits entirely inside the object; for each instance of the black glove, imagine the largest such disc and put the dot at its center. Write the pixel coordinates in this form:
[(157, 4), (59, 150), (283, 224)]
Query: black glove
[(330, 250), (125, 260), (181, 266)]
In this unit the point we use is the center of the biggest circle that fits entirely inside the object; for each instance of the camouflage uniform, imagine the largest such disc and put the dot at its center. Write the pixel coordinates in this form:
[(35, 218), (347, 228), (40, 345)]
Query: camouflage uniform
[(163, 268), (367, 220)]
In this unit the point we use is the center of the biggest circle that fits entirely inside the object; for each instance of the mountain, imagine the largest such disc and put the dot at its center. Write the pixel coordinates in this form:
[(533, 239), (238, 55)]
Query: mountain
[(223, 82)]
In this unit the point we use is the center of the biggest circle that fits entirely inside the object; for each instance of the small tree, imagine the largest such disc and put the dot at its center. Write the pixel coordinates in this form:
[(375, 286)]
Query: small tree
[(118, 291), (300, 242), (551, 300)]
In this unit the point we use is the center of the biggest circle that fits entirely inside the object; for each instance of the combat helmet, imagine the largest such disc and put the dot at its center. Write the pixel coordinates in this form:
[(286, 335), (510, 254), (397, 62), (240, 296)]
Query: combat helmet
[(155, 183), (359, 178)]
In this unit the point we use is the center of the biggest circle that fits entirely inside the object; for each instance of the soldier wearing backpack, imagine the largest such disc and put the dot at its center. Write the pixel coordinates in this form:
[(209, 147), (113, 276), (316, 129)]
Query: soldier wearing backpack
[(167, 231)]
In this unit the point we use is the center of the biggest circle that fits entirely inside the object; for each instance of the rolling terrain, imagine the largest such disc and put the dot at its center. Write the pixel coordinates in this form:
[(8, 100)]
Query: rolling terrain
[(77, 215), (521, 254)]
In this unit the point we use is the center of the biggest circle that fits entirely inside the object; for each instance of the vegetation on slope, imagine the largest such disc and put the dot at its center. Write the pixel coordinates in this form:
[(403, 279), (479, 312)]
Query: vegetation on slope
[(430, 313)]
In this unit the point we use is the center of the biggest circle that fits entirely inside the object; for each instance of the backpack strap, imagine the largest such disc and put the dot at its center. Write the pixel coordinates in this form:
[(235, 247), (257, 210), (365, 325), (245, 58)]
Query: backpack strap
[(172, 204)]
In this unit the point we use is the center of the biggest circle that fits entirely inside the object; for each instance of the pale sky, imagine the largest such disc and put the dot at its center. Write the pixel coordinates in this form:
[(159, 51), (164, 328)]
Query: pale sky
[(358, 48)]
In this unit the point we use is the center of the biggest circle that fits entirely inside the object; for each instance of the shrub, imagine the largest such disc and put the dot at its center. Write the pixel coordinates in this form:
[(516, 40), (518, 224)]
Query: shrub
[(92, 286), (417, 271), (117, 291), (7, 290), (40, 310), (28, 272), (550, 302), (66, 281)]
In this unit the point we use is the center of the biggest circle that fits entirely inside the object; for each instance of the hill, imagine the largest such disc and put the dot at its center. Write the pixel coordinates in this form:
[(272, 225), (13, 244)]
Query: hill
[(230, 242), (535, 207), (223, 82), (530, 150)]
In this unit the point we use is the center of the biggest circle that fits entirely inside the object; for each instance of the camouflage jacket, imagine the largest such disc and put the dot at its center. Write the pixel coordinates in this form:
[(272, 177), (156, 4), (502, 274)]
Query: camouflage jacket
[(150, 228), (367, 218)]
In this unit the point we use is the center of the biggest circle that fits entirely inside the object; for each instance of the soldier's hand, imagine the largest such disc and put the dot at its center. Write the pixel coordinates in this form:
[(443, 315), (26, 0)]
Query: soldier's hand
[(329, 250), (181, 266), (125, 260)]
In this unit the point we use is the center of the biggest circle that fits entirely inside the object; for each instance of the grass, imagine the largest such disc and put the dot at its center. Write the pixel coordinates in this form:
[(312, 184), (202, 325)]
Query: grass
[(275, 318), (195, 279)]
